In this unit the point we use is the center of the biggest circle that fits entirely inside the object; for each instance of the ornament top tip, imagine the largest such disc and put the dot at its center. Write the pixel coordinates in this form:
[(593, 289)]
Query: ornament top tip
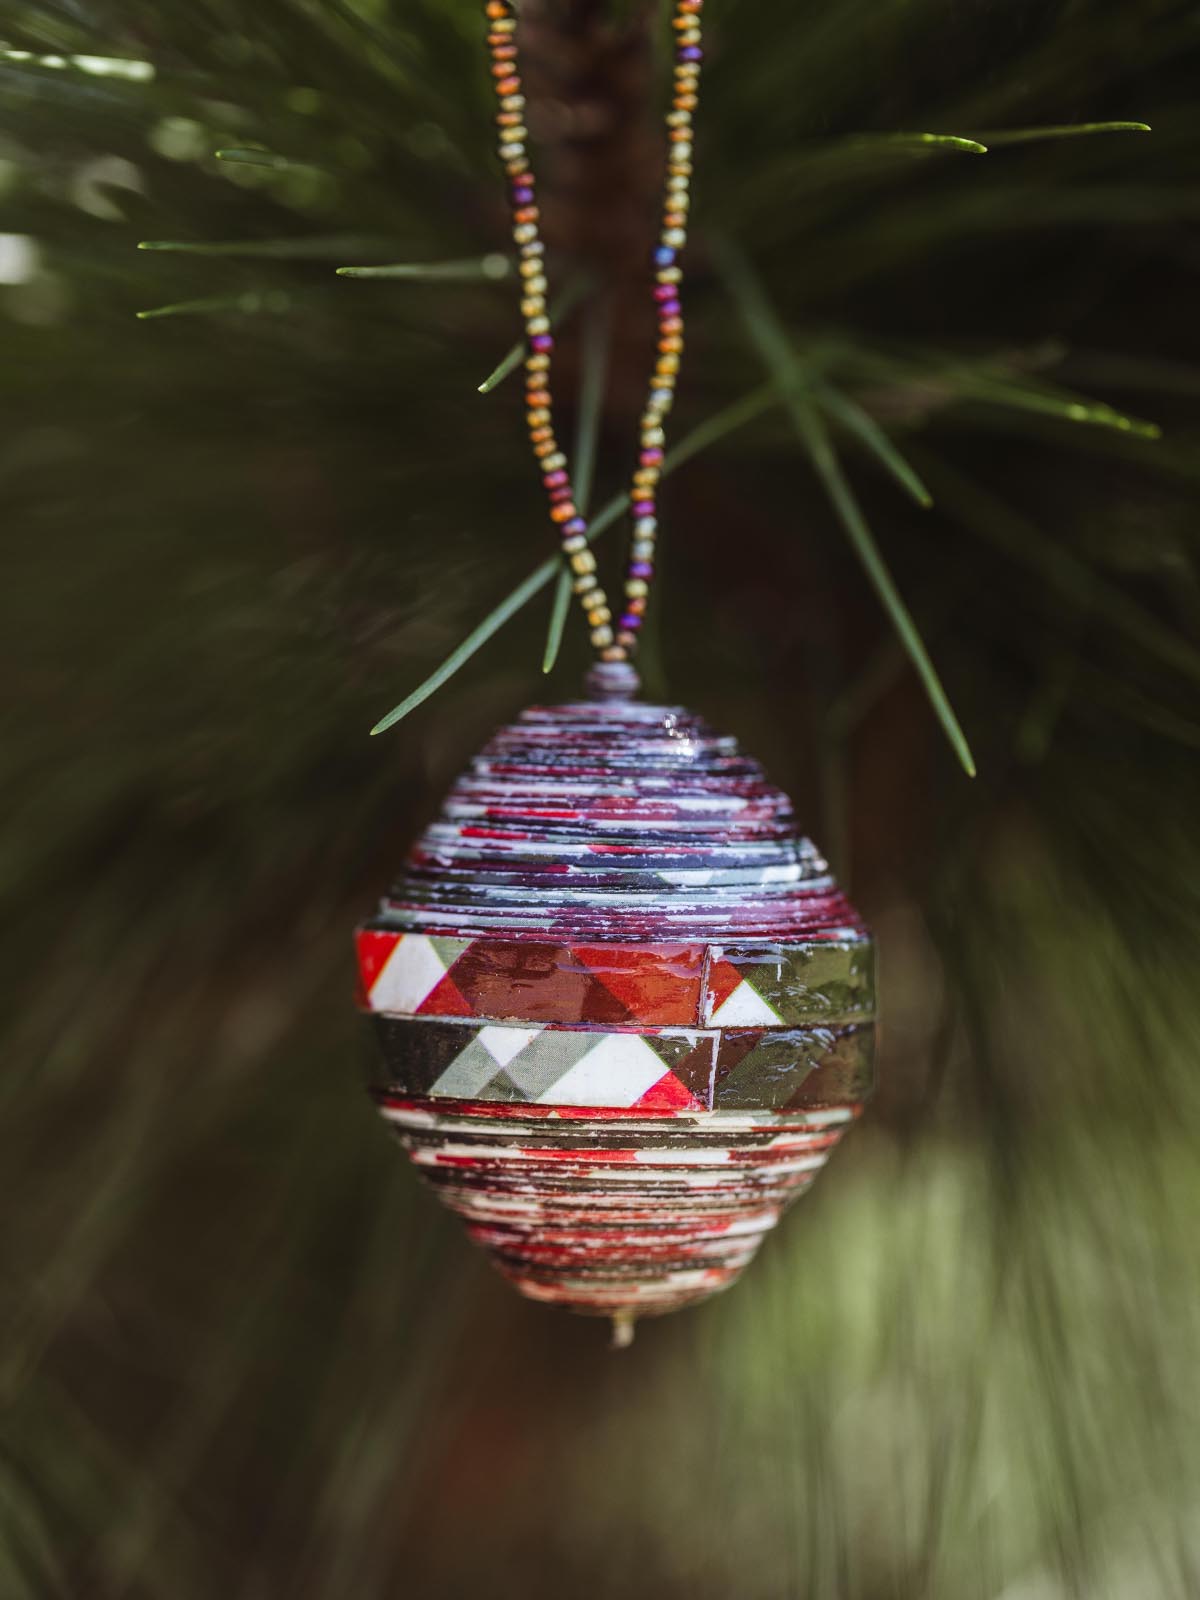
[(612, 680)]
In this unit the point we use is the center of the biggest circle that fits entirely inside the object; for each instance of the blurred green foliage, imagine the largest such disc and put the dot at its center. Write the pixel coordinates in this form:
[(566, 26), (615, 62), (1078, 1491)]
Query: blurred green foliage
[(243, 1355)]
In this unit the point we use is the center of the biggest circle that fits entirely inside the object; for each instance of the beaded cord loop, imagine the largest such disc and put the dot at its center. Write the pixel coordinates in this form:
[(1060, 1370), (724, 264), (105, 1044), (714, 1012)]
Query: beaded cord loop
[(610, 644)]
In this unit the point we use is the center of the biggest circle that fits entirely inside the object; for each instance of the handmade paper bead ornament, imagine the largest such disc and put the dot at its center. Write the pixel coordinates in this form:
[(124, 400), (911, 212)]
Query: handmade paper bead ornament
[(623, 1011)]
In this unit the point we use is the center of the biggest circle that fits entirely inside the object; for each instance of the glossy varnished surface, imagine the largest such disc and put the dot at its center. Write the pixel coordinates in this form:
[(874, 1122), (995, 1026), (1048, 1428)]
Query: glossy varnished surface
[(618, 822), (623, 1012)]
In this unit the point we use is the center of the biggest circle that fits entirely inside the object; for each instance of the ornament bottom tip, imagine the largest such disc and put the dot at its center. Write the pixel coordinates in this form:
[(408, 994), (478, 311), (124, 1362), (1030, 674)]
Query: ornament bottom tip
[(624, 1326)]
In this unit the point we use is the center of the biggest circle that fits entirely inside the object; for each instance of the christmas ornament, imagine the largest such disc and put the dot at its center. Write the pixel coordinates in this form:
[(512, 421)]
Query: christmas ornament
[(623, 1010)]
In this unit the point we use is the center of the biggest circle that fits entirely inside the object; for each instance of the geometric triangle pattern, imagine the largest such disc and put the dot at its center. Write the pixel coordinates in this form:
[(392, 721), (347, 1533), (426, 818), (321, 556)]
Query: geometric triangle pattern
[(403, 973), (782, 985), (545, 1064), (794, 1068), (553, 1064), (623, 1010), (413, 974)]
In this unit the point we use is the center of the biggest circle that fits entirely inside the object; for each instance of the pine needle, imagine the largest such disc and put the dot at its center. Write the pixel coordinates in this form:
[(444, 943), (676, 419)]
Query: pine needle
[(493, 267), (1052, 402), (917, 141), (251, 156), (825, 460), (858, 421), (593, 372), (574, 292), (597, 337), (716, 427), (312, 249), (250, 303), (990, 383), (772, 342), (475, 640), (1064, 130), (559, 610), (721, 423)]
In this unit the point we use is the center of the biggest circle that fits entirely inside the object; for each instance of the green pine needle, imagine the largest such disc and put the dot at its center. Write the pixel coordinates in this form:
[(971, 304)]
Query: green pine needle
[(597, 337), (249, 156), (707, 433), (773, 344), (992, 384), (593, 372), (863, 426), (1052, 402), (493, 267), (561, 309), (825, 460), (559, 610), (508, 365), (1064, 130), (475, 640), (252, 302), (716, 427), (311, 249), (722, 422), (917, 141)]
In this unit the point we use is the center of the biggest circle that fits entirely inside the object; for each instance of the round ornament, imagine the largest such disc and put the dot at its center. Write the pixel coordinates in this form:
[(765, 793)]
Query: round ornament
[(624, 1012)]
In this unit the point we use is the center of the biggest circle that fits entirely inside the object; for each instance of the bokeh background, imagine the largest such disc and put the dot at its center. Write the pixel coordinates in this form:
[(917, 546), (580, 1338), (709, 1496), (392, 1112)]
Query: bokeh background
[(244, 1356)]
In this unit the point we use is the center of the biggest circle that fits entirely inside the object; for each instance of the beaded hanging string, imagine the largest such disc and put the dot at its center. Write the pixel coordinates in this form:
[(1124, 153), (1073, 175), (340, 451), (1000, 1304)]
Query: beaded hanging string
[(610, 1167), (609, 643)]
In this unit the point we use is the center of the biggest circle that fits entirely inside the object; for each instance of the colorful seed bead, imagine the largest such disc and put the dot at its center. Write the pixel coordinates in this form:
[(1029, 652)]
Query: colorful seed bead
[(512, 135)]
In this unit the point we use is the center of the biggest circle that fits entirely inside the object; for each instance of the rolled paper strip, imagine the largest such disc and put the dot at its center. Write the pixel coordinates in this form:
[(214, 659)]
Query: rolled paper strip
[(622, 1067), (615, 1215), (623, 1010), (689, 984), (612, 680)]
